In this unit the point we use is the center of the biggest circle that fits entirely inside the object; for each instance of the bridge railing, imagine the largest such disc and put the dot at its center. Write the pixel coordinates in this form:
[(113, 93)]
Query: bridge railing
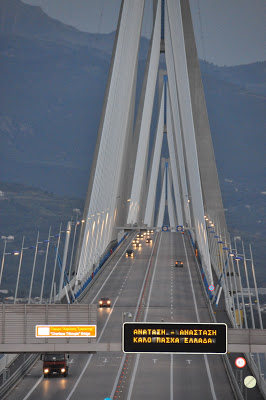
[(232, 271)]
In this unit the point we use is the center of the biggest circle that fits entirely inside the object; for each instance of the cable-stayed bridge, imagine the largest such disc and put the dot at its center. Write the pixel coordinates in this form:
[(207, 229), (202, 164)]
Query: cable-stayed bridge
[(133, 189)]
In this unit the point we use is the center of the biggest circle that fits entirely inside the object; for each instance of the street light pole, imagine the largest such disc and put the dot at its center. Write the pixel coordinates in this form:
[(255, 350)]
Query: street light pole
[(33, 267), (3, 261), (61, 283), (19, 269), (55, 261), (45, 263)]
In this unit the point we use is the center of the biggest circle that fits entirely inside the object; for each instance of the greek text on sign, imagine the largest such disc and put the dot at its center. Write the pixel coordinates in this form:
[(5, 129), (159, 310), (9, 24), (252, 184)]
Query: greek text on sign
[(59, 331), (167, 337)]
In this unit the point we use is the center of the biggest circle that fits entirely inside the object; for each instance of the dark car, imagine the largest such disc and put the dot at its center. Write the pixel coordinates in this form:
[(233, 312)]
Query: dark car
[(105, 302), (179, 264), (148, 240), (138, 244), (129, 253)]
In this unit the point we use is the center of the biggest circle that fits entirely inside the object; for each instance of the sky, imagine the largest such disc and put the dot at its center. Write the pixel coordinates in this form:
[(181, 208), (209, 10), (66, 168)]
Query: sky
[(228, 32)]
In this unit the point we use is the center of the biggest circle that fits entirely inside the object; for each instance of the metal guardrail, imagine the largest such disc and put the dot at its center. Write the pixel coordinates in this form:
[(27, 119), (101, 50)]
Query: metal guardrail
[(6, 388), (6, 361), (82, 294), (254, 368), (9, 384), (227, 364)]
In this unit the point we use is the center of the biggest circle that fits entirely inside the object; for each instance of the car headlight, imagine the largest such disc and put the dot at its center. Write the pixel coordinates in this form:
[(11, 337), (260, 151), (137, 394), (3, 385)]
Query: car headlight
[(108, 302), (46, 370), (100, 302), (63, 370)]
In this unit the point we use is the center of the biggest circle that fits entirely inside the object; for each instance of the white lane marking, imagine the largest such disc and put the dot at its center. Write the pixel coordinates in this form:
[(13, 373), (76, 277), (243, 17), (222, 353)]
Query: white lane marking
[(154, 360), (198, 320), (172, 378), (97, 294), (39, 381), (145, 316), (188, 361), (33, 388), (90, 357), (134, 319)]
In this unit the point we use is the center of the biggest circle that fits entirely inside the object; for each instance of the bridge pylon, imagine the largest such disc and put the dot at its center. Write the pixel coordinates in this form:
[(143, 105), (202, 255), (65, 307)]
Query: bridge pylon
[(123, 183)]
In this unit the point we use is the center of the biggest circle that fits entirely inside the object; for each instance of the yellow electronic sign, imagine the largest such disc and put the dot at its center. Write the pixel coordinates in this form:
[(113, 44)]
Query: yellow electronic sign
[(65, 331), (152, 337)]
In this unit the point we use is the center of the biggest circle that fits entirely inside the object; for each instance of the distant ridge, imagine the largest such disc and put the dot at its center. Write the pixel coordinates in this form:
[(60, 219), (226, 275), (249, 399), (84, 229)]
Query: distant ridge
[(52, 82)]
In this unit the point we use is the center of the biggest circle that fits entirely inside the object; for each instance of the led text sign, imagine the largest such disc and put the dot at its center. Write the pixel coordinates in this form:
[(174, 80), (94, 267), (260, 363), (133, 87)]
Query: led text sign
[(153, 337)]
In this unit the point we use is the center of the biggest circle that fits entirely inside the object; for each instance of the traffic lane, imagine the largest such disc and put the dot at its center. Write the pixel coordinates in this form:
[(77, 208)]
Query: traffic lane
[(191, 378), (48, 388), (152, 380), (219, 376), (105, 275), (102, 371), (110, 284), (64, 385), (151, 373), (113, 277), (184, 310), (184, 377), (49, 391), (172, 292)]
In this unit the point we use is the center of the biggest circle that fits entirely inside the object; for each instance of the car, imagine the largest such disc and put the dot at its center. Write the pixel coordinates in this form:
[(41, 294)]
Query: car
[(140, 235), (148, 240), (104, 302), (179, 264), (134, 241), (129, 253), (138, 244)]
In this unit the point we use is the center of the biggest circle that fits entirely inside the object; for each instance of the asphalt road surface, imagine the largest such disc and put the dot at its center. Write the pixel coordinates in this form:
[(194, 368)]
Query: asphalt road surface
[(151, 288)]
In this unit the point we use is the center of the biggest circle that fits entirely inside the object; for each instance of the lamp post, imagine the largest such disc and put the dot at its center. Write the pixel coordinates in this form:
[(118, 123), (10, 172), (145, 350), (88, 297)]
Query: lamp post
[(6, 239), (55, 261), (19, 269), (45, 263), (61, 283), (33, 267), (77, 211), (3, 262)]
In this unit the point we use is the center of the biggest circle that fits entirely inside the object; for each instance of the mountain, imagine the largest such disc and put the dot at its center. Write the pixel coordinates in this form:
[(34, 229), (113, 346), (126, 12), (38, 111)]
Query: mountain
[(52, 83), (236, 109)]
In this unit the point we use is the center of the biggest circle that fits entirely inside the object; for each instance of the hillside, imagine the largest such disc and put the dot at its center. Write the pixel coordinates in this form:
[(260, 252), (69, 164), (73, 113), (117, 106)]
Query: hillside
[(25, 211), (52, 83)]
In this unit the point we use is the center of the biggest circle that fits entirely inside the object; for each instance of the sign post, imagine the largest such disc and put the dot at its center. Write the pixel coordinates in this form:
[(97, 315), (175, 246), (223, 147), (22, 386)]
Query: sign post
[(240, 362)]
